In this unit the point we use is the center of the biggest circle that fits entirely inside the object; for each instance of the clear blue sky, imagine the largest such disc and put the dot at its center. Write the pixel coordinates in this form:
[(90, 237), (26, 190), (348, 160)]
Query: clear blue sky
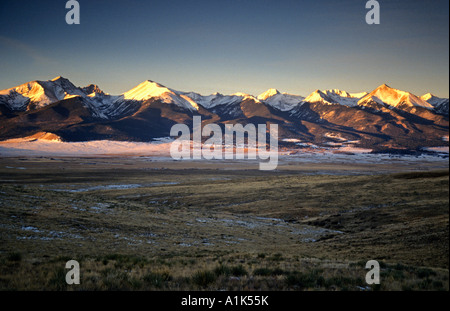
[(229, 45)]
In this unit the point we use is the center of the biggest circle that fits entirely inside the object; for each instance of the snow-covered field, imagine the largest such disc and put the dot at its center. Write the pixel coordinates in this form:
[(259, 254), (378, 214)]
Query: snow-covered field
[(22, 147), (160, 149)]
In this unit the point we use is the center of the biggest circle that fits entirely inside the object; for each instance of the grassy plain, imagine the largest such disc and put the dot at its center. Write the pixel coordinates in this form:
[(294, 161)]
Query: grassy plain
[(139, 224)]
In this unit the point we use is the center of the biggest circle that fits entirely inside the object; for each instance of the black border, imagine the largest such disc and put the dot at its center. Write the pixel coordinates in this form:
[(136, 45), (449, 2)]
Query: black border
[(165, 300)]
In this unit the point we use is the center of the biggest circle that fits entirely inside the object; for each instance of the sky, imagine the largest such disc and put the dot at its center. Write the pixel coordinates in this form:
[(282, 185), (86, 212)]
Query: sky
[(229, 46)]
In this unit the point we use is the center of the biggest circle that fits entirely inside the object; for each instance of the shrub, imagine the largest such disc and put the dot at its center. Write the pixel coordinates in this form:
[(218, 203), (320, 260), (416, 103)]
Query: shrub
[(227, 271), (305, 280), (263, 272), (425, 273), (204, 278), (238, 271), (277, 257), (58, 279), (157, 279), (268, 272), (114, 279)]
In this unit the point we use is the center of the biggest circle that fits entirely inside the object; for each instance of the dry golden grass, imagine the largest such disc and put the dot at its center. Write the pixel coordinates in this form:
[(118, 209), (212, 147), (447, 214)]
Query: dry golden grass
[(134, 225)]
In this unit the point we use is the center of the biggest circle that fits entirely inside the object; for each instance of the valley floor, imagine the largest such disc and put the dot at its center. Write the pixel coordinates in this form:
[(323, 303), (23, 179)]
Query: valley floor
[(142, 223)]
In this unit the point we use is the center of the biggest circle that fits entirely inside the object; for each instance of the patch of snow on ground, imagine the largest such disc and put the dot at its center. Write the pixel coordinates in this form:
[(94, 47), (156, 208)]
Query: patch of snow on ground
[(354, 149), (335, 136), (291, 140), (438, 149)]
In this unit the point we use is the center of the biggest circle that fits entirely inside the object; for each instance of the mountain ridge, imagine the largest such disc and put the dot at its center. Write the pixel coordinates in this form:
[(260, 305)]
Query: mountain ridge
[(385, 118), (44, 93)]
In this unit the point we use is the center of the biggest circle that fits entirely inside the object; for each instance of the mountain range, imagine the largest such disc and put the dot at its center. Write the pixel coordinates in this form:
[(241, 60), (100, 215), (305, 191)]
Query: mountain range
[(385, 119)]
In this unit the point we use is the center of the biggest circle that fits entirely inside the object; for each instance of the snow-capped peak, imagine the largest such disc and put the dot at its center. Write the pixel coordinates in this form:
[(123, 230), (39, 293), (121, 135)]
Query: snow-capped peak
[(241, 94), (146, 90), (337, 92), (267, 94), (58, 78), (280, 101), (149, 89), (385, 95), (92, 90), (318, 96), (427, 96), (440, 104), (39, 93)]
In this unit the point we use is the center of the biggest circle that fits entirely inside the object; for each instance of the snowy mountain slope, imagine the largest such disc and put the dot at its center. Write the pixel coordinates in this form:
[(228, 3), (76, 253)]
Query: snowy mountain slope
[(440, 105), (344, 98), (334, 97), (228, 106), (92, 89), (280, 101), (269, 93), (17, 98), (212, 100)]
